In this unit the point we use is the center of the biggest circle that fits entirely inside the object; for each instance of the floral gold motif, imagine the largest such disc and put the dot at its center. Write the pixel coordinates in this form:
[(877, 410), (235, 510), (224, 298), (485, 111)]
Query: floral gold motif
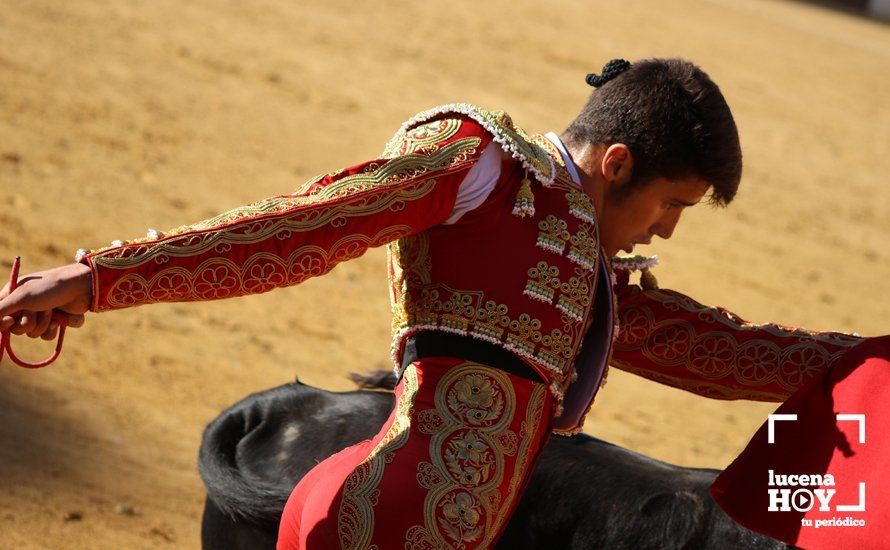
[(474, 408), (219, 277), (534, 412), (713, 357)]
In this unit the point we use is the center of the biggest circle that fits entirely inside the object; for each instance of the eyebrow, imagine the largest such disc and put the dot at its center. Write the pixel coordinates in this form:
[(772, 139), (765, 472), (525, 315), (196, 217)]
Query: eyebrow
[(685, 203)]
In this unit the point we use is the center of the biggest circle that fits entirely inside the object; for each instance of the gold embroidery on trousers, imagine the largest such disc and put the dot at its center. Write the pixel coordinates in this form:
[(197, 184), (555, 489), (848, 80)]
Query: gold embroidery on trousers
[(475, 405), (533, 415), (355, 522)]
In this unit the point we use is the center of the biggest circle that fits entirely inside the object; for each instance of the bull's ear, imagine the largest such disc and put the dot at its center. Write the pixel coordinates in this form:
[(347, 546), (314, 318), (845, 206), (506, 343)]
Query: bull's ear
[(375, 380)]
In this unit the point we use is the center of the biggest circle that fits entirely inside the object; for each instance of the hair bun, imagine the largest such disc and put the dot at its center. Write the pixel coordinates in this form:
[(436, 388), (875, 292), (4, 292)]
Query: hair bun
[(610, 70)]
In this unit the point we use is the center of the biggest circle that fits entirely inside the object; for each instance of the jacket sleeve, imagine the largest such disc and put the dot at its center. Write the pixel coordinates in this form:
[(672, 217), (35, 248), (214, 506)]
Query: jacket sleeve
[(284, 240), (670, 338)]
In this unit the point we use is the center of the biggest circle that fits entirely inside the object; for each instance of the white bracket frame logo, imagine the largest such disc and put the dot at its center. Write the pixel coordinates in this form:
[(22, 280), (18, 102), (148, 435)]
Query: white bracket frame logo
[(860, 418), (773, 418)]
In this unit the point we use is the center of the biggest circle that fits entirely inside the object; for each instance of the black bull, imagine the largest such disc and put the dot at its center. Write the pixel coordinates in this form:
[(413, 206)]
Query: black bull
[(585, 493)]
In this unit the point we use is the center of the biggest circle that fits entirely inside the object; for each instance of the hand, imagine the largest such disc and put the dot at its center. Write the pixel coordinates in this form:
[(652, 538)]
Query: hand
[(67, 289)]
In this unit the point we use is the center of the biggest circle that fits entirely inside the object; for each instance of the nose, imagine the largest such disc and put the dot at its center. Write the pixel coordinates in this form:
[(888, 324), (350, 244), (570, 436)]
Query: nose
[(665, 226)]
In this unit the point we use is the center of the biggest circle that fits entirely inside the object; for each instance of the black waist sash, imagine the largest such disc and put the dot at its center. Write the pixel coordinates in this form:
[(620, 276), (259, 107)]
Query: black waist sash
[(445, 344)]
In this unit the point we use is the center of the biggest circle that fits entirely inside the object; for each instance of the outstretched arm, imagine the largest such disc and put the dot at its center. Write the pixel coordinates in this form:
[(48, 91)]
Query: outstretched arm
[(670, 338), (278, 241)]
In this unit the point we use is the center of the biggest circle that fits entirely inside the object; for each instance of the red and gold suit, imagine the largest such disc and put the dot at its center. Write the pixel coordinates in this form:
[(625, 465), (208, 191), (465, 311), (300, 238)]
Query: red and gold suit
[(522, 271)]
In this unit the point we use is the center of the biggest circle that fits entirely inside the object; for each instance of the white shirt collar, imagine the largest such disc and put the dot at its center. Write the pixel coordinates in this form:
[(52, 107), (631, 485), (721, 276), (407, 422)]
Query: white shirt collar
[(566, 157)]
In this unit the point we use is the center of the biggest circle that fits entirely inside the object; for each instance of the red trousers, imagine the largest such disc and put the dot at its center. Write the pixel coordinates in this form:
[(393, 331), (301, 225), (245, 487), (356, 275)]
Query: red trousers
[(445, 471), (841, 429)]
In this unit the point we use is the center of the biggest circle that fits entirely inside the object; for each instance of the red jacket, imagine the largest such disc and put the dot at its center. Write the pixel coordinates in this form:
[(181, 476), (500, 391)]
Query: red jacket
[(523, 270)]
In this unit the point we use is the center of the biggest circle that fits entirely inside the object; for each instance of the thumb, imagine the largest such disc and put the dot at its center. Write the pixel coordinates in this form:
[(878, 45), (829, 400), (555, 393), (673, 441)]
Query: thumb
[(4, 291), (12, 302)]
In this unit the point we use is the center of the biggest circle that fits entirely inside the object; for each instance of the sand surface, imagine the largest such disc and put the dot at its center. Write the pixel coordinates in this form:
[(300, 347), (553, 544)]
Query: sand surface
[(120, 116)]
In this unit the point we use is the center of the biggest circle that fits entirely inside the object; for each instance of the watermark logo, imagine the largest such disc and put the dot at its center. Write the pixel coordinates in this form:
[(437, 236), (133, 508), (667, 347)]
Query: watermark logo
[(804, 492)]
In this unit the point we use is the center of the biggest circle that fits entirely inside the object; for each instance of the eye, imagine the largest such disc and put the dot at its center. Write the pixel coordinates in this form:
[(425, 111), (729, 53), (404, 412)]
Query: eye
[(672, 206)]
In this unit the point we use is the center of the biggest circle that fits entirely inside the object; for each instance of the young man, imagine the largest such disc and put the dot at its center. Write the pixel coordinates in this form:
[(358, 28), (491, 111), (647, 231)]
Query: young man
[(506, 305)]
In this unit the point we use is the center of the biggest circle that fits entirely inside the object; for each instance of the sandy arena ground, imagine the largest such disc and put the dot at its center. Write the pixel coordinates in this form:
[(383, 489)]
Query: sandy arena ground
[(120, 116)]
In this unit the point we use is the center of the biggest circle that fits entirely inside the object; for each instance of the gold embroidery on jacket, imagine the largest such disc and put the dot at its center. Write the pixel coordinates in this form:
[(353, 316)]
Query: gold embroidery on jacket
[(580, 205), (389, 172), (674, 300), (715, 390), (410, 264), (219, 277), (467, 313), (553, 234), (512, 139), (295, 213), (718, 355), (422, 138), (543, 280), (584, 248), (574, 298), (355, 522), (421, 301)]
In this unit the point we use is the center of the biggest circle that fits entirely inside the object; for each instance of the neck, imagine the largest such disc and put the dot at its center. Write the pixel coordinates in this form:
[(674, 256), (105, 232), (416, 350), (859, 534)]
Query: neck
[(587, 159)]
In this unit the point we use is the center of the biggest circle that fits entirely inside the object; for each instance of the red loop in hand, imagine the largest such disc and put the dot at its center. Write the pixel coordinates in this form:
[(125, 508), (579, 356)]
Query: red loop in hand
[(6, 336)]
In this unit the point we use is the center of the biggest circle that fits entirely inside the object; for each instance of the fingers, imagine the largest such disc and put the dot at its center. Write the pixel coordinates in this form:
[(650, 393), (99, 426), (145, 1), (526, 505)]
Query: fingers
[(71, 320), (35, 292), (67, 288), (29, 308), (50, 334), (41, 324), (26, 323)]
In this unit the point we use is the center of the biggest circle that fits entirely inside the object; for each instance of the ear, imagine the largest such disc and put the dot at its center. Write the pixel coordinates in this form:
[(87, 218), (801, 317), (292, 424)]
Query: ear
[(617, 165)]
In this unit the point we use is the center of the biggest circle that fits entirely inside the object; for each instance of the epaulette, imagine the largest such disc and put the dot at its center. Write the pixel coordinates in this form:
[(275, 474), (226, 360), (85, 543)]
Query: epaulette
[(510, 137)]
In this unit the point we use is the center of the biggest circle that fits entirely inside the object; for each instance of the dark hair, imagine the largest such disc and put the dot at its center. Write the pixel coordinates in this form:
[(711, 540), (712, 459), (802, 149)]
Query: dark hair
[(671, 116)]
